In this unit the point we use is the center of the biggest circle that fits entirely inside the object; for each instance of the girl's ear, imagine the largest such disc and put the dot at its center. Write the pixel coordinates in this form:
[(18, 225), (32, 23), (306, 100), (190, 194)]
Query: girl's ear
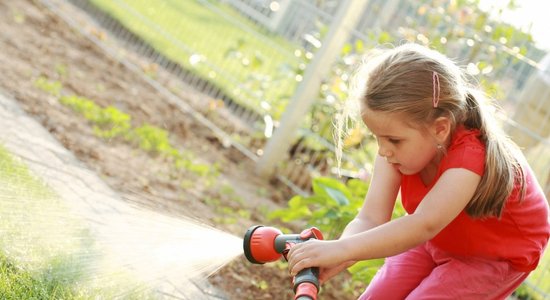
[(442, 129)]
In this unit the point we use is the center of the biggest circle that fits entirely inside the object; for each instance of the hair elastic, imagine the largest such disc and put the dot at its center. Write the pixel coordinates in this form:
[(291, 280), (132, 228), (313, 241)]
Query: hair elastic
[(436, 88)]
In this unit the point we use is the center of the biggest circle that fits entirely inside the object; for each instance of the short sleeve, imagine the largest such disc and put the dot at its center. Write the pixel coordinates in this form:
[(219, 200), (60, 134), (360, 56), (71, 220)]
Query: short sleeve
[(466, 152)]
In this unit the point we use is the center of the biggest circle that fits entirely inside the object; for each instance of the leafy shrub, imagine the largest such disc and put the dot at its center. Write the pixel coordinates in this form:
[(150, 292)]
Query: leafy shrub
[(330, 208)]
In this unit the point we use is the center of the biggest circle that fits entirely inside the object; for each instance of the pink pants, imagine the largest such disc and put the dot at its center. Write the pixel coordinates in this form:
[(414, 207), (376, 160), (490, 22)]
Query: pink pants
[(427, 272)]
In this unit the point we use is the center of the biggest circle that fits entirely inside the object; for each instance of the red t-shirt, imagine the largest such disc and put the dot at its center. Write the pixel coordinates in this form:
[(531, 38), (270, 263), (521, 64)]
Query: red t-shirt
[(519, 236)]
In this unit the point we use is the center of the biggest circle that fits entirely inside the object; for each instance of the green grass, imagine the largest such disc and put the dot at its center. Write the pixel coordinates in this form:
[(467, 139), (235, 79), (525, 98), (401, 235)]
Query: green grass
[(32, 266), (204, 42), (47, 251), (17, 283)]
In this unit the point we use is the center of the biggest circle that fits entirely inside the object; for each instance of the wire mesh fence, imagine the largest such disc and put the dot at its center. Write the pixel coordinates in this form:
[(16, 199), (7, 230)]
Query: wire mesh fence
[(249, 57)]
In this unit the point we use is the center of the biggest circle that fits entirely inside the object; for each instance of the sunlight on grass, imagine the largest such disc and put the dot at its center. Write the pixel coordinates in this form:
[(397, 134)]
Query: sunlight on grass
[(46, 251), (32, 264), (238, 61)]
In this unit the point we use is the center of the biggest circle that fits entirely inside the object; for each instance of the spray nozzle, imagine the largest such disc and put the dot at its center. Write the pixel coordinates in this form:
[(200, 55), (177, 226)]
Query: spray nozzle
[(259, 244), (266, 244)]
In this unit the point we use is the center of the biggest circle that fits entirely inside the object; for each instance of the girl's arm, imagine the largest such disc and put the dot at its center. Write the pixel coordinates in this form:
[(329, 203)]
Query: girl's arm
[(442, 204), (379, 201), (376, 210)]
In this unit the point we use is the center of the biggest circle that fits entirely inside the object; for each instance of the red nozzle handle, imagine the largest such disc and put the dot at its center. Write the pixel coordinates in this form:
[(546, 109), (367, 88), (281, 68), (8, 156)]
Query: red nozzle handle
[(311, 233)]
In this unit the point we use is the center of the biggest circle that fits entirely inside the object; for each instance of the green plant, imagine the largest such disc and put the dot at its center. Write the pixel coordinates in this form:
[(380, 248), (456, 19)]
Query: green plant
[(107, 122), (18, 283), (46, 250), (52, 87), (110, 123), (152, 139), (82, 105), (44, 268), (362, 273), (330, 208), (524, 292), (156, 141), (14, 173), (186, 161), (200, 169)]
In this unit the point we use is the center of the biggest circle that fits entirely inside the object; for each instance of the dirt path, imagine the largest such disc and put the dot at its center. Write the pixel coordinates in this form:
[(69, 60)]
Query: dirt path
[(36, 43)]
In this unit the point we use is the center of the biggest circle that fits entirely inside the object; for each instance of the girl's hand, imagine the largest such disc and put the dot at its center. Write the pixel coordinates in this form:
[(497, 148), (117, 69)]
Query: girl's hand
[(316, 253)]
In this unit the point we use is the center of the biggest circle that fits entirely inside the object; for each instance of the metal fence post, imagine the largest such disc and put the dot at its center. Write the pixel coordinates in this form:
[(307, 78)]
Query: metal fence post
[(306, 93)]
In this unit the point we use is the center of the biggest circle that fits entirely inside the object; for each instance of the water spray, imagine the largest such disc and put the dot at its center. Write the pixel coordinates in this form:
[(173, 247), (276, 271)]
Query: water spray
[(267, 244)]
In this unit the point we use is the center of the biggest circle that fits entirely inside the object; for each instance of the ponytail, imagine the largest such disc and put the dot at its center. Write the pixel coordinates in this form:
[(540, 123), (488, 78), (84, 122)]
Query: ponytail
[(503, 170), (474, 117)]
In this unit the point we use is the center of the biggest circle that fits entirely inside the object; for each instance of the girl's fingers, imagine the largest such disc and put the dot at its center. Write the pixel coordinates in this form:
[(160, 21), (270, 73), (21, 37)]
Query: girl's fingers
[(300, 265), (295, 259)]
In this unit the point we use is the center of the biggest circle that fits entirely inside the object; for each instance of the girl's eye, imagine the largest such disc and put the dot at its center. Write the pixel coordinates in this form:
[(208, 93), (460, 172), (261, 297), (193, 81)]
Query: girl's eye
[(394, 141)]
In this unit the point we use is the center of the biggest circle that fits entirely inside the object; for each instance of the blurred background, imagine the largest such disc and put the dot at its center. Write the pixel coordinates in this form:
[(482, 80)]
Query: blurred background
[(282, 67)]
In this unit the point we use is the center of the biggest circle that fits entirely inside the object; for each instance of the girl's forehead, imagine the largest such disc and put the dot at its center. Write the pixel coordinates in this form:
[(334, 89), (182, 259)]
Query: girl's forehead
[(385, 123)]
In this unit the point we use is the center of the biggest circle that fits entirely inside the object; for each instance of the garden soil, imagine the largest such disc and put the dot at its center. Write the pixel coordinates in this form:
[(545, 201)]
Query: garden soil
[(36, 43)]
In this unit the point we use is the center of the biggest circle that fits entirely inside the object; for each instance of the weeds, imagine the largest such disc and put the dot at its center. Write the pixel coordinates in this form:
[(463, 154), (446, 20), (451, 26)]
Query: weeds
[(49, 86), (109, 123), (153, 140)]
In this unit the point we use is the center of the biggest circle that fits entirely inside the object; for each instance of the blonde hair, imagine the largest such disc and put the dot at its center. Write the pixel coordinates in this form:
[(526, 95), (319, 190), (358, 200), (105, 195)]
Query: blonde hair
[(400, 80)]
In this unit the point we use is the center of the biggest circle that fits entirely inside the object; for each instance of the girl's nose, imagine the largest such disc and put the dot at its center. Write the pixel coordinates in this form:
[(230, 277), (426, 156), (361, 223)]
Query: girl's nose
[(384, 152), (383, 149)]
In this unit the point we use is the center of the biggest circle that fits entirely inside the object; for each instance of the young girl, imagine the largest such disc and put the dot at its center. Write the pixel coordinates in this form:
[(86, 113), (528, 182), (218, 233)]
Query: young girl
[(477, 221)]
